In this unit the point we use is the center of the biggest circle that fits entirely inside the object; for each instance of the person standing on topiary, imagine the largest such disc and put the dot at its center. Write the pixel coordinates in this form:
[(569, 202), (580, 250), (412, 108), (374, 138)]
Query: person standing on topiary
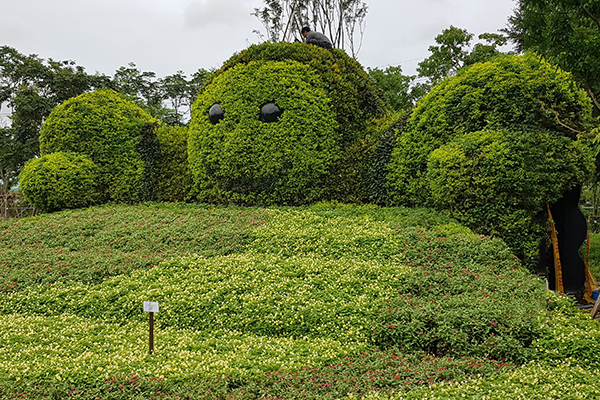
[(316, 38)]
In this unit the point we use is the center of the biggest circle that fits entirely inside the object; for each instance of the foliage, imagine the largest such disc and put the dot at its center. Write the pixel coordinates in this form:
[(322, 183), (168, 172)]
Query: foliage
[(250, 161), (498, 182), (454, 52), (31, 87), (317, 148), (338, 19), (376, 174), (399, 90), (89, 246), (594, 256), (60, 181), (510, 92), (173, 179), (566, 33), (108, 129), (462, 299), (329, 266), (152, 93)]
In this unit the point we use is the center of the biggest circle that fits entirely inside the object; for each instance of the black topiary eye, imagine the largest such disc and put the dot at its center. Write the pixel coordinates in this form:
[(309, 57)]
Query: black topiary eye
[(216, 113), (270, 112)]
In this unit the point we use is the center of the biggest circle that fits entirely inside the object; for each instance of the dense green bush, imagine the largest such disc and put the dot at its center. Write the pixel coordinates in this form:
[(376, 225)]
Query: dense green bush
[(59, 181), (497, 182), (317, 148), (507, 92), (106, 128), (492, 145), (355, 99), (172, 180)]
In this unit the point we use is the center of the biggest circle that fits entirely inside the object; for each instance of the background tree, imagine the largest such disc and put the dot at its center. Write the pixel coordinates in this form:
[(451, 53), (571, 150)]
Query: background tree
[(399, 90), (454, 51), (566, 33), (343, 21), (167, 99), (514, 29), (180, 93)]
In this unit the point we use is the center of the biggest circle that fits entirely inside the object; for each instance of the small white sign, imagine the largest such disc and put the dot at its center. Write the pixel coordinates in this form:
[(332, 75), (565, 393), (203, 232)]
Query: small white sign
[(151, 306)]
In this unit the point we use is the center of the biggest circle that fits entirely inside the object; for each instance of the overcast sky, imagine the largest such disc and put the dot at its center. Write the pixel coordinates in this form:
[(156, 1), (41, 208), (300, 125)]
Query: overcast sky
[(166, 36)]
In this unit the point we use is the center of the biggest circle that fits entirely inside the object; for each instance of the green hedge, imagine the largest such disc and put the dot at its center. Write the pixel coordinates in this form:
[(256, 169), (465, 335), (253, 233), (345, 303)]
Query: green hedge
[(497, 182), (507, 92), (172, 180), (60, 181), (106, 128), (318, 148)]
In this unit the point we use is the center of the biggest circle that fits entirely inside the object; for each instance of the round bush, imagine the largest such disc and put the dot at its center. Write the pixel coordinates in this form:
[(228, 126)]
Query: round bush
[(60, 181), (282, 124), (106, 128), (507, 92), (249, 160), (498, 182)]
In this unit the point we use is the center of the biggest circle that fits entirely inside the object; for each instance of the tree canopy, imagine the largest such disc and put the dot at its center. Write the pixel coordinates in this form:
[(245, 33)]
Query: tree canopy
[(566, 33)]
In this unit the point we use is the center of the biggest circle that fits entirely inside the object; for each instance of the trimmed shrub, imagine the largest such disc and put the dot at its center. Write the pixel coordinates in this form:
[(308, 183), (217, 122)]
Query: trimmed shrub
[(60, 181), (317, 148), (244, 160), (497, 182), (106, 128), (507, 92)]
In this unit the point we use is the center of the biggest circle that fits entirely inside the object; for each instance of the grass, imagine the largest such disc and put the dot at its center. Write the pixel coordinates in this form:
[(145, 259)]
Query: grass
[(330, 300)]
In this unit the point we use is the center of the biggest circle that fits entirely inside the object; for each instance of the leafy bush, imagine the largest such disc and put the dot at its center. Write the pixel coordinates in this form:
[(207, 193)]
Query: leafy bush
[(509, 92), (317, 148), (245, 160), (498, 182), (106, 128), (173, 180), (60, 181)]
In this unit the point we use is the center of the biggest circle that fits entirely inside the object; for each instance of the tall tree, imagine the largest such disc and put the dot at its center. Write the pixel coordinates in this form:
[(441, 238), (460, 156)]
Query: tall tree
[(343, 21), (454, 51), (514, 29), (180, 93), (567, 33)]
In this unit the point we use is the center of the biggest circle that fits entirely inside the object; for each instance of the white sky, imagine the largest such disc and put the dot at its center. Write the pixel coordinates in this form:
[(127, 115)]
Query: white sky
[(165, 36)]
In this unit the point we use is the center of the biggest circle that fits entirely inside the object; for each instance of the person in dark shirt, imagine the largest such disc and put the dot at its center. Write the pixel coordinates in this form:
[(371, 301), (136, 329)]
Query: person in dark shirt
[(316, 38)]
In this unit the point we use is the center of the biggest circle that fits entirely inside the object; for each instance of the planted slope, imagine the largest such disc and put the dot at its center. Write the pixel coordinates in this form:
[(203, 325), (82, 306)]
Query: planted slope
[(311, 287)]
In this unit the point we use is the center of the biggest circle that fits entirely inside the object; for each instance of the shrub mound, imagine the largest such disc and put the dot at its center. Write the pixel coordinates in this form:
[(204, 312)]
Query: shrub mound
[(493, 145), (108, 129), (60, 181), (509, 92), (316, 149)]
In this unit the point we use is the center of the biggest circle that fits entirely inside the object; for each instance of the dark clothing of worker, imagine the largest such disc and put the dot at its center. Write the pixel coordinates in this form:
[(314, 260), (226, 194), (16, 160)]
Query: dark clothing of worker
[(318, 39)]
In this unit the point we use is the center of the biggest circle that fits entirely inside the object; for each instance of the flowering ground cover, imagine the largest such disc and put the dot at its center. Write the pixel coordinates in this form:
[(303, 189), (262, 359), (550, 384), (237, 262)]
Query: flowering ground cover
[(92, 245), (327, 301)]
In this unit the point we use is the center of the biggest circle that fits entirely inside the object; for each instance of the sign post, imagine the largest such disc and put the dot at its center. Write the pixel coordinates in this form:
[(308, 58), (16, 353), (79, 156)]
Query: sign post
[(151, 307)]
